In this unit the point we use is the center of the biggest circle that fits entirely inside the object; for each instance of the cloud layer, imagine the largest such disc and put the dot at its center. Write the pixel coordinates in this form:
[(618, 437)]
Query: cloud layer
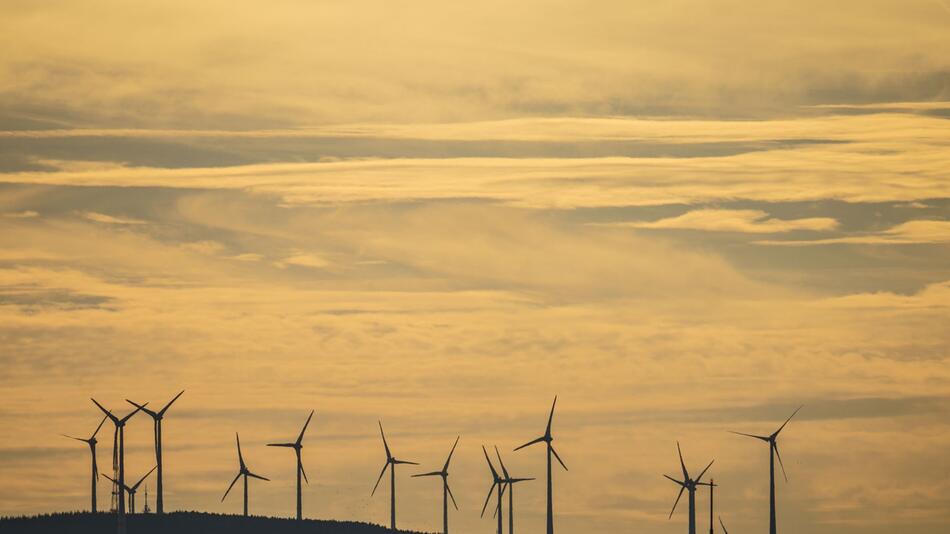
[(441, 215)]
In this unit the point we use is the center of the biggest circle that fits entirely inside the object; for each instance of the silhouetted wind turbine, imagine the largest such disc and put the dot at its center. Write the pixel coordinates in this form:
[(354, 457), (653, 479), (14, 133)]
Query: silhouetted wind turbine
[(510, 482), (773, 453), (446, 490), (390, 464), (548, 438), (497, 482), (92, 449), (120, 437), (688, 484), (296, 446), (133, 488), (242, 471), (157, 418)]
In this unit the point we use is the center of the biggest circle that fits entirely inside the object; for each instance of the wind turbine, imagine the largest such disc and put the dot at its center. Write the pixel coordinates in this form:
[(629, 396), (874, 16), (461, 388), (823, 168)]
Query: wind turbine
[(548, 438), (510, 482), (132, 489), (773, 453), (688, 484), (119, 437), (390, 464), (157, 418), (446, 490), (92, 449), (497, 482), (242, 471), (296, 446)]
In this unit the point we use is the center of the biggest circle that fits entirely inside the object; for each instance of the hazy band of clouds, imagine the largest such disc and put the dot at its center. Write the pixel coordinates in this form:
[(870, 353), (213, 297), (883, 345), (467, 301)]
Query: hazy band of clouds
[(908, 233), (746, 221)]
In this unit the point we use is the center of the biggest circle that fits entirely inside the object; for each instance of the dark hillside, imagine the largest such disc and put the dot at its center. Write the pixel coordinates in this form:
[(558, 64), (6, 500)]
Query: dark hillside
[(179, 523)]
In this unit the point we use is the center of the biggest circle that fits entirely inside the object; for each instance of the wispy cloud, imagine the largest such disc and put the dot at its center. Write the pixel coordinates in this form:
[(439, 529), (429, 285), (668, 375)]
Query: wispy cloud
[(908, 233), (108, 219), (745, 221), (28, 214)]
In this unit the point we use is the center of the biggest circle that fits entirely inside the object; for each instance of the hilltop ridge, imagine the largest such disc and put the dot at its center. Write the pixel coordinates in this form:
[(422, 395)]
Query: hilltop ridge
[(181, 523)]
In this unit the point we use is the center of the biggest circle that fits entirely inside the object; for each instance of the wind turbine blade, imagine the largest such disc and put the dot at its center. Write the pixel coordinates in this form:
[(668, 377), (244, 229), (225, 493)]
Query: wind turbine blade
[(229, 487), (451, 452), (700, 477), (503, 470), (100, 426), (281, 444), (674, 480), (494, 473), (381, 473), (682, 463), (259, 477), (558, 458), (779, 456), (682, 489), (723, 526), (142, 407), (302, 470), (75, 438), (432, 474), (169, 405), (395, 461), (135, 411), (763, 438), (547, 431), (532, 442), (787, 420), (114, 481), (488, 498), (107, 412), (304, 429), (136, 485), (386, 445), (449, 489), (240, 456)]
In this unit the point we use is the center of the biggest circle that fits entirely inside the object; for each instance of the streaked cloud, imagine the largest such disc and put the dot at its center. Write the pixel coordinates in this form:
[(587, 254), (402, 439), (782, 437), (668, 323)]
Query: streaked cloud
[(27, 214), (746, 221), (108, 219), (908, 233)]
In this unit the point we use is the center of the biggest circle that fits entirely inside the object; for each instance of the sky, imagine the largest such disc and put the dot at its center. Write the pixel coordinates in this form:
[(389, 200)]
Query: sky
[(682, 218)]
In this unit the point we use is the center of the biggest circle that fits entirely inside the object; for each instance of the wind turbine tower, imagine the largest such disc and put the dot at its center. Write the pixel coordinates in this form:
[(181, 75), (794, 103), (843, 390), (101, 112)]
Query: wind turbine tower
[(91, 441), (510, 482), (688, 484), (297, 446), (243, 471), (547, 438), (120, 439), (391, 463), (446, 490), (772, 442), (157, 418)]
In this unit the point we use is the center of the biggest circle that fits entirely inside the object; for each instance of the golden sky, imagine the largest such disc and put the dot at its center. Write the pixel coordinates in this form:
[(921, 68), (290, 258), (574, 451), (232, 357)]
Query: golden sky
[(681, 217)]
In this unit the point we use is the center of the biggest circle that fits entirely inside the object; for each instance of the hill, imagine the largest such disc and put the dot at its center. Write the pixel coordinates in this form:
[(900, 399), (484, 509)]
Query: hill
[(179, 523)]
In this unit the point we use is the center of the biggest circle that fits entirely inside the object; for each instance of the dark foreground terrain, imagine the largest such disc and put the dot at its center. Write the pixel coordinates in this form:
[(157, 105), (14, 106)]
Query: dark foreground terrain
[(178, 523)]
